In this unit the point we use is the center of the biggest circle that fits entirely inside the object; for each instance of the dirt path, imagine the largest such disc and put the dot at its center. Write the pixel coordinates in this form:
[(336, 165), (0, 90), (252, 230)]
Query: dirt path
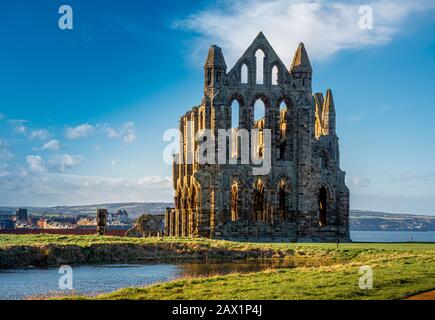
[(430, 295)]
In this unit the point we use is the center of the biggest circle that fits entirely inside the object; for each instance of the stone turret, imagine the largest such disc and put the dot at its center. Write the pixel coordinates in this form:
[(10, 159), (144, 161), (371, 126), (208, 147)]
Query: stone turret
[(301, 69), (328, 115), (215, 67)]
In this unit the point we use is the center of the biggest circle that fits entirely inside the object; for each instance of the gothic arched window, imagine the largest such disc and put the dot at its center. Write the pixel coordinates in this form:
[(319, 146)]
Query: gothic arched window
[(323, 206), (258, 204), (234, 202), (244, 74), (259, 57), (275, 71)]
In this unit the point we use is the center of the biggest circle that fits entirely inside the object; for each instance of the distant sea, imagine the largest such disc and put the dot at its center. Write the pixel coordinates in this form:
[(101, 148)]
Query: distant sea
[(392, 236)]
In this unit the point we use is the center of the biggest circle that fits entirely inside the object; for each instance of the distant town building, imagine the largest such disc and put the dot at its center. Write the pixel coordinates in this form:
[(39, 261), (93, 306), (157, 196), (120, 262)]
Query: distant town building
[(87, 222), (120, 217), (21, 214), (42, 223)]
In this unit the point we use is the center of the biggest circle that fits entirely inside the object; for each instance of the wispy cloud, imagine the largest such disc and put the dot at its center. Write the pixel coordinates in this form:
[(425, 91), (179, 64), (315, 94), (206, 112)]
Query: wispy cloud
[(42, 134), (65, 161), (19, 125), (127, 132), (58, 163), (358, 182), (51, 145), (326, 27), (414, 176), (80, 131), (35, 163), (49, 189), (5, 153)]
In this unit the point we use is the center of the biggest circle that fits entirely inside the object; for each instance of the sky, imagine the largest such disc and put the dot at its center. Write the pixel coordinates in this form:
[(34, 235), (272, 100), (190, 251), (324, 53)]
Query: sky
[(83, 111)]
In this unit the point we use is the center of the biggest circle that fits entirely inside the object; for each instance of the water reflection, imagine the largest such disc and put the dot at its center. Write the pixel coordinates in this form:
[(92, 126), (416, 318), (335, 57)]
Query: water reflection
[(91, 280)]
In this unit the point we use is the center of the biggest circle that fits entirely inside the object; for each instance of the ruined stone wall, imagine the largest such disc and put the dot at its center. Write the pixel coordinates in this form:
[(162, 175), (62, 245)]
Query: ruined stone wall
[(303, 197)]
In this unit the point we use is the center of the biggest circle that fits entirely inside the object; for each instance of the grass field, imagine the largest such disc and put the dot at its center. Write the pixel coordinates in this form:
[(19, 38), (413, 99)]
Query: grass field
[(319, 271)]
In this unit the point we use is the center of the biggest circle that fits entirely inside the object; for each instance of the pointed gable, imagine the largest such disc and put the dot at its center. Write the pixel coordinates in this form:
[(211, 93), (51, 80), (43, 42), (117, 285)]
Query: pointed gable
[(248, 58), (215, 57), (301, 62), (328, 105)]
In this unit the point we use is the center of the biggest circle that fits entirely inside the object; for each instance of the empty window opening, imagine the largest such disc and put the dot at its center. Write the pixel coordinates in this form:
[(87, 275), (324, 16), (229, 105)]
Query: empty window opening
[(275, 76), (259, 123), (244, 74), (259, 110), (235, 109), (323, 197), (259, 201), (234, 202), (283, 118), (259, 57)]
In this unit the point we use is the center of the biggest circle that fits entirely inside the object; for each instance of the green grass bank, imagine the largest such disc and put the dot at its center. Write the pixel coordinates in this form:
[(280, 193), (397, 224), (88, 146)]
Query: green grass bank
[(313, 271)]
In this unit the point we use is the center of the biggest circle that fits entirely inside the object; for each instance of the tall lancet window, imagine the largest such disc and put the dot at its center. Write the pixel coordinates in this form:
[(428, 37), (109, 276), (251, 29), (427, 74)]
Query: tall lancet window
[(259, 57)]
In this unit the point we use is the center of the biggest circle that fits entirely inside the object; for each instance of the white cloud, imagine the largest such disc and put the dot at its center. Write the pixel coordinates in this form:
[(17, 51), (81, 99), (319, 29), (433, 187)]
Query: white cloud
[(51, 145), (19, 125), (58, 163), (2, 116), (50, 189), (114, 163), (5, 153), (127, 133), (40, 134), (65, 161), (359, 182), (81, 131), (35, 163), (4, 172), (325, 27), (130, 133), (113, 133)]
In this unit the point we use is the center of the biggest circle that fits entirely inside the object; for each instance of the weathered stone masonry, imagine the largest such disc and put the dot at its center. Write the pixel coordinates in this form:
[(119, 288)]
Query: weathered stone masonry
[(303, 198)]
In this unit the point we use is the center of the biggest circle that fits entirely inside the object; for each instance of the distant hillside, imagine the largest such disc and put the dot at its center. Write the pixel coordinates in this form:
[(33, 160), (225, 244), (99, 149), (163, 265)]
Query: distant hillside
[(360, 220), (134, 209)]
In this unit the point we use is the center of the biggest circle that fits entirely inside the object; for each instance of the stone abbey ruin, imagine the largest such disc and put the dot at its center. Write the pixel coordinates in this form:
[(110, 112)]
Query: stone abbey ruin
[(303, 197)]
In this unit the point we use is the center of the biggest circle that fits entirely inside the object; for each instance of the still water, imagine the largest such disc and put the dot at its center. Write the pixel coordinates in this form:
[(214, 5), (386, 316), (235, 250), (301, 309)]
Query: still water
[(91, 280), (392, 236)]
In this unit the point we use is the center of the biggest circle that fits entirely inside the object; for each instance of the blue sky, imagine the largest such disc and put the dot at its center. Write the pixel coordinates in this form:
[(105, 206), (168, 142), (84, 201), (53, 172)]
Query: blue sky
[(83, 111)]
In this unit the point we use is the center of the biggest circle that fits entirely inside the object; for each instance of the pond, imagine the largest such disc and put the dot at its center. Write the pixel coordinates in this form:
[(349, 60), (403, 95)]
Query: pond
[(392, 236), (91, 280)]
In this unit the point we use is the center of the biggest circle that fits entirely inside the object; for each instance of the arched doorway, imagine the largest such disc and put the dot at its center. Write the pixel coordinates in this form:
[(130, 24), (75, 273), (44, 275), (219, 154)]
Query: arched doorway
[(258, 205), (323, 206)]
